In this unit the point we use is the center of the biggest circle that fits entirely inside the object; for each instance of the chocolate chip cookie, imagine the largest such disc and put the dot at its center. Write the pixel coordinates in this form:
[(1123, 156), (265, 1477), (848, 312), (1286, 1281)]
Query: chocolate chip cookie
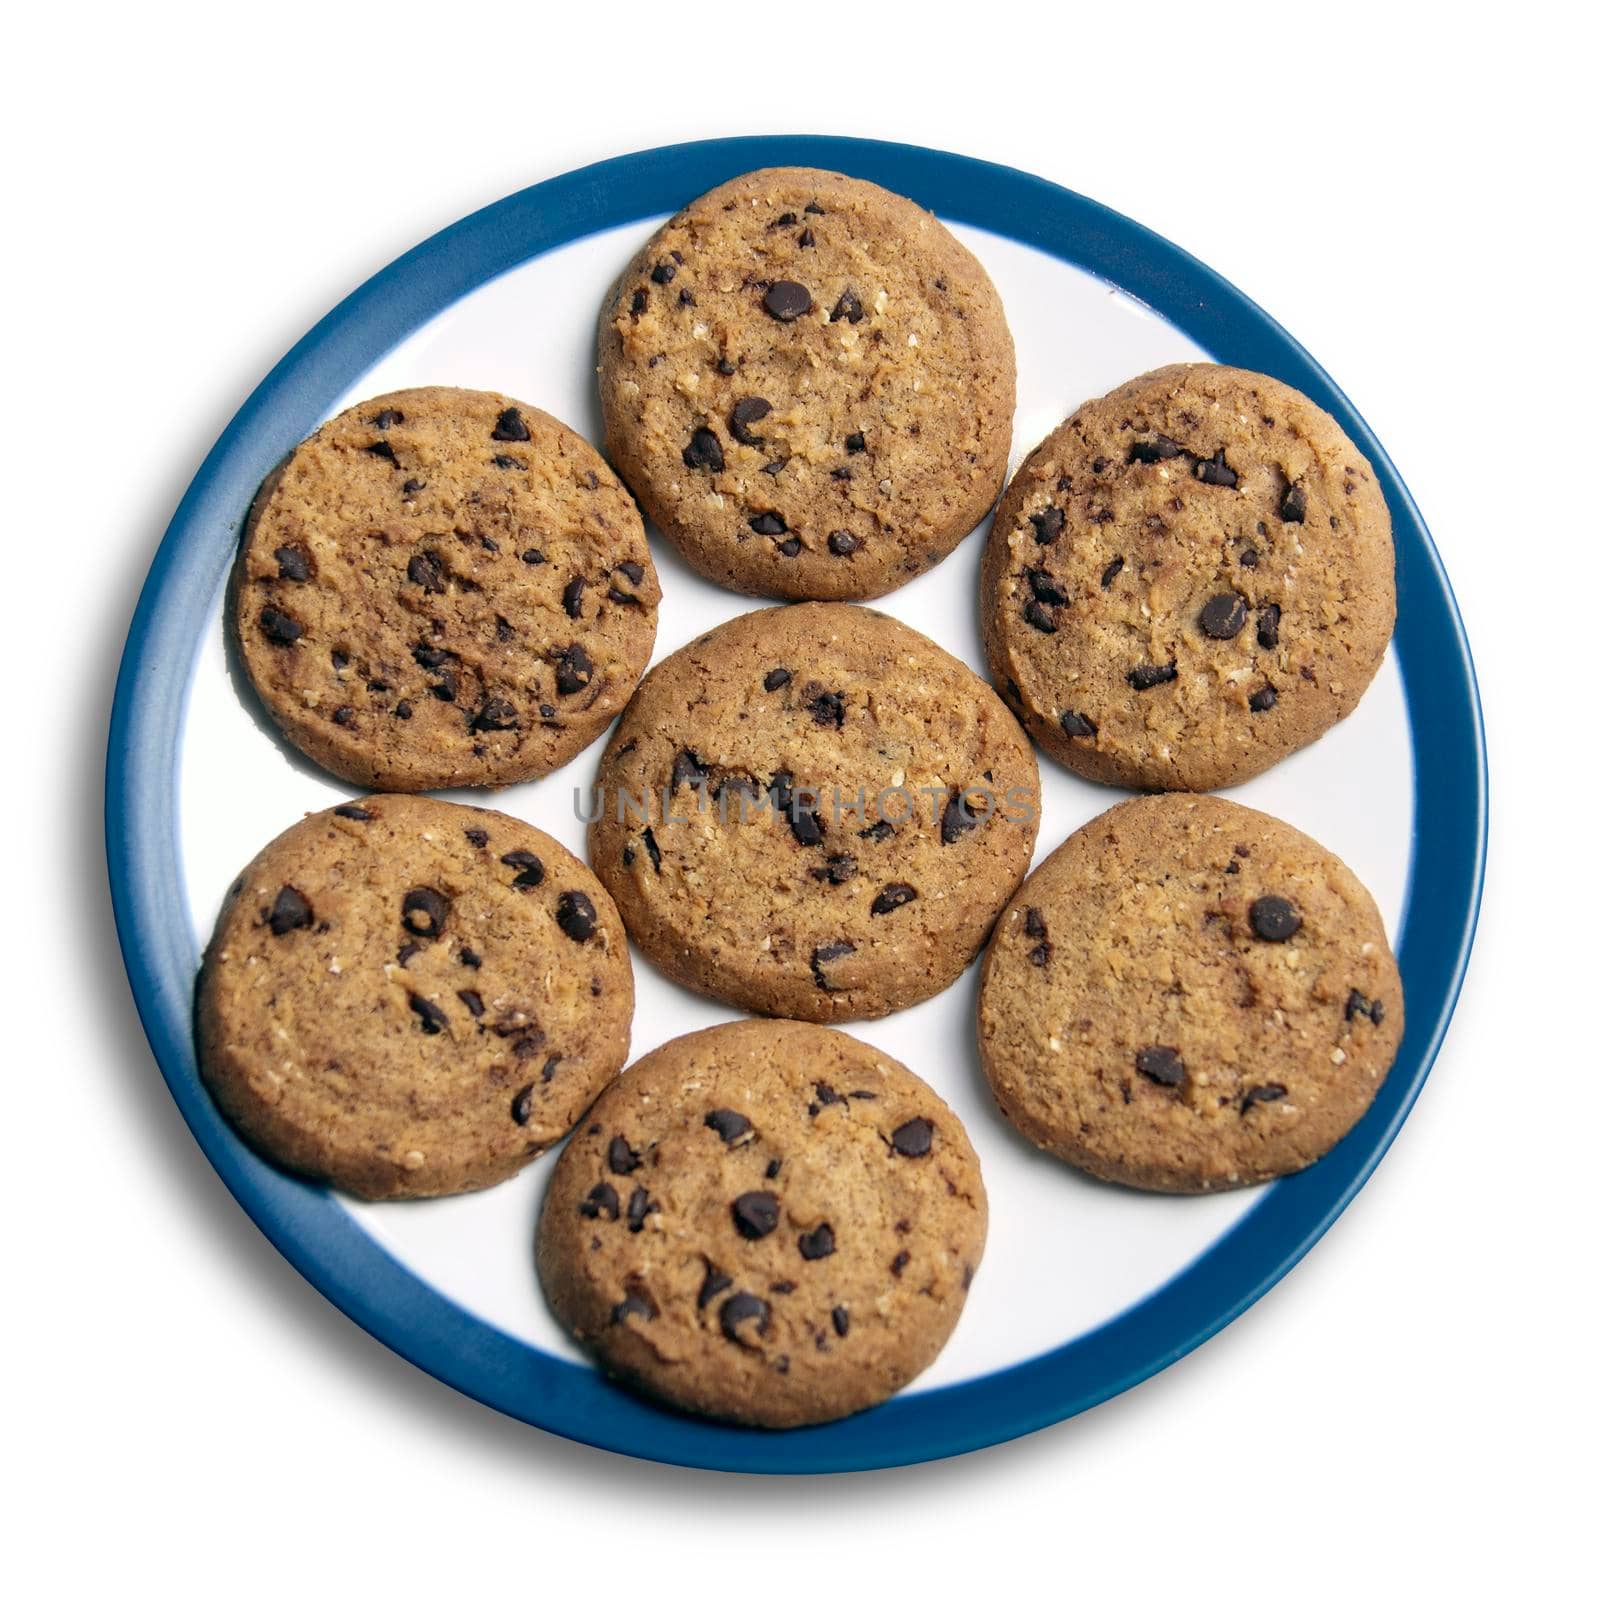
[(809, 384), (1189, 995), (814, 812), (1188, 580), (443, 587), (767, 1222), (407, 997)]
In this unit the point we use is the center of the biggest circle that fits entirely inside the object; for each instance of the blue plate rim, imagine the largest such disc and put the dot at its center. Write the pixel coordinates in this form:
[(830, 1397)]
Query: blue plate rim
[(321, 1239)]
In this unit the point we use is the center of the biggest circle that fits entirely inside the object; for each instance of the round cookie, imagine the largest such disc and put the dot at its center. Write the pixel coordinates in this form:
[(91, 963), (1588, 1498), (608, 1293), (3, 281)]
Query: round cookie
[(408, 997), (1189, 579), (1189, 995), (768, 1222), (443, 587), (809, 384), (814, 812)]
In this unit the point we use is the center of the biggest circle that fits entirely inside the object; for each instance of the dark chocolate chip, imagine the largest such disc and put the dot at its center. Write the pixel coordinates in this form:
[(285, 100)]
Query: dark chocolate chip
[(688, 768), (826, 707), (345, 716), (637, 1301), (855, 443), (716, 1280), (837, 870), (1037, 616), (576, 915), (294, 562), (1047, 524), (841, 1321), (530, 869), (1222, 616), (640, 1205), (1149, 451), (403, 710), (1147, 676), (848, 307), (1161, 1064), (818, 1243), (387, 418), (1217, 471), (423, 912), (957, 820), (1264, 699), (412, 486), (354, 813), (1292, 505), (664, 272), (727, 1124), (1249, 557), (740, 1308), (574, 670), (814, 210), (807, 239), (1274, 919), (879, 831), (790, 547), (913, 1138), (651, 848), (1045, 588), (572, 597), (751, 409), (521, 1111), (384, 451), (600, 1199), (900, 1263), (776, 679), (534, 558), (1260, 1094), (1267, 626), (892, 897), (432, 1018), (825, 953), (768, 522), (470, 958), (620, 1156), (843, 543), (279, 627), (472, 1000), (1357, 1006), (495, 716), (1077, 726), (509, 464), (787, 300), (510, 427), (755, 1213), (290, 910)]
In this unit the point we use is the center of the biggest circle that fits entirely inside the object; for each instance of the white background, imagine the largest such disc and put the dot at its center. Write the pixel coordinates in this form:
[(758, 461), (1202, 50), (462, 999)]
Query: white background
[(1411, 195)]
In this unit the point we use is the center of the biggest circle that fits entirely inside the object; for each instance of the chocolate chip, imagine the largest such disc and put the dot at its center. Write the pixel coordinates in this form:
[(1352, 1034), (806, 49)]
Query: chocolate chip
[(412, 486), (1149, 451), (521, 1111), (774, 1167), (345, 716), (508, 464), (740, 1308), (814, 210), (576, 915), (768, 522), (445, 688), (1077, 726), (839, 869), (433, 1019), (848, 307), (472, 1000), (290, 910), (534, 558), (429, 658), (1377, 1013), (843, 543), (664, 272), (403, 710), (1264, 699), (773, 468), (574, 669), (716, 1280), (636, 1302), (423, 912), (726, 367), (640, 1205), (1292, 505), (879, 831), (354, 813), (826, 707), (601, 1198), (1249, 557), (1045, 588), (688, 768), (855, 443), (841, 1321), (406, 952), (807, 239), (426, 572), (751, 409), (651, 848), (957, 819), (1357, 1006), (804, 823), (384, 451), (1274, 919), (470, 958), (913, 1138), (818, 1243), (620, 1157), (892, 897), (1047, 524), (728, 1125), (294, 562), (1267, 627), (530, 869), (787, 300), (825, 953), (495, 716), (1161, 1064), (1040, 954), (1147, 676), (279, 627), (1036, 616), (900, 1263), (631, 570), (787, 220), (776, 679), (1222, 616), (789, 547), (704, 449), (1260, 1094), (387, 418), (1217, 471), (510, 427), (685, 297), (755, 1213), (572, 597)]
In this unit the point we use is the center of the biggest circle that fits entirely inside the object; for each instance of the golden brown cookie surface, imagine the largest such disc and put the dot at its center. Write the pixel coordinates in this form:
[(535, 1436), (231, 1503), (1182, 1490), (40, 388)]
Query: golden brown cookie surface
[(814, 811), (409, 997), (768, 1222), (444, 587), (1189, 995), (809, 384), (1189, 579)]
